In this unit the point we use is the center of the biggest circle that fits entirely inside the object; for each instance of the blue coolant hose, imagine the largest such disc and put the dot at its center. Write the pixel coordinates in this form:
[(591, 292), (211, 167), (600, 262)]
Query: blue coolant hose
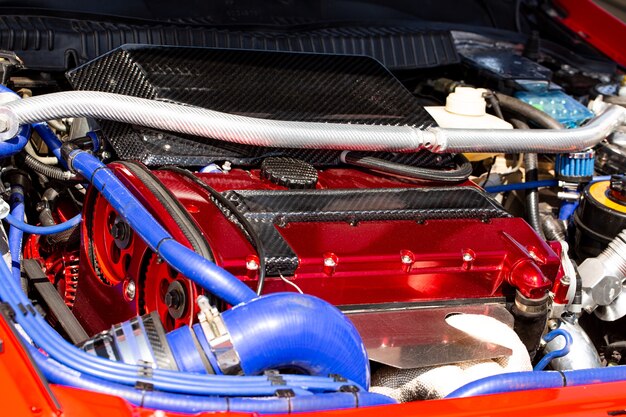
[(104, 370), (16, 235), (196, 404), (203, 272), (521, 186), (522, 381), (533, 184), (13, 220)]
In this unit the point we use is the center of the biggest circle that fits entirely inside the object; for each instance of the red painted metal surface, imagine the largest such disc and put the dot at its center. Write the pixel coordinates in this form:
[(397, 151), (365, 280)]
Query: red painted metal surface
[(595, 25), (345, 264)]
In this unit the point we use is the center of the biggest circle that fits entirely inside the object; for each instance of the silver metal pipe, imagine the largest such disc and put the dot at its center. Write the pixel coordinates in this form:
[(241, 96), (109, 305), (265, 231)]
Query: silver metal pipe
[(535, 140), (582, 354), (261, 132), (211, 124)]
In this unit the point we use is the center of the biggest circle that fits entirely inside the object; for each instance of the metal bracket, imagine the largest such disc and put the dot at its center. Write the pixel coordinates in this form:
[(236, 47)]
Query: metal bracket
[(217, 336)]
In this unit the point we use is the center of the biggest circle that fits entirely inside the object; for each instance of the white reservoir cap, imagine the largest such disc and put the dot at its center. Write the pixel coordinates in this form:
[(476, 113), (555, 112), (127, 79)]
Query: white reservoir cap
[(467, 101)]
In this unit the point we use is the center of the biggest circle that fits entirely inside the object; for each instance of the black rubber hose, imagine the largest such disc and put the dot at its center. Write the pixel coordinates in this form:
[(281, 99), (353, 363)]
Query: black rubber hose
[(554, 229), (51, 172), (532, 194), (543, 120), (458, 174), (530, 318)]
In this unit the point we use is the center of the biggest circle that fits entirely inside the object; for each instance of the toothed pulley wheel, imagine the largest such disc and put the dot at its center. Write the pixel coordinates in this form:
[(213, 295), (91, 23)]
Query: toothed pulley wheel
[(169, 293)]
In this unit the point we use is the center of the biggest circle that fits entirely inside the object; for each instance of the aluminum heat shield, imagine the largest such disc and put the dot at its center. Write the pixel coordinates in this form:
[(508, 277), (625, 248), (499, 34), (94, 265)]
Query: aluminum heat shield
[(420, 337)]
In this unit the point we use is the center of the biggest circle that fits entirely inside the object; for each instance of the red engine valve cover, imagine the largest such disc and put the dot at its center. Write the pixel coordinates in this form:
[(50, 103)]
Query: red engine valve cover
[(356, 239)]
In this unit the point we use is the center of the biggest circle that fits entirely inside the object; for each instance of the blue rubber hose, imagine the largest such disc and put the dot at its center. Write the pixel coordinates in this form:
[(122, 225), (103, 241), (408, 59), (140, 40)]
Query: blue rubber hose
[(196, 404), (521, 381), (193, 266), (51, 140), (533, 184), (16, 235), (320, 339), (14, 221), (545, 361), (14, 145), (44, 336), (521, 186)]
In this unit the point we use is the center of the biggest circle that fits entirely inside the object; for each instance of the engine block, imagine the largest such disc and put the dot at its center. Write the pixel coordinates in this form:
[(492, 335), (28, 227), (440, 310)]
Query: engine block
[(358, 239)]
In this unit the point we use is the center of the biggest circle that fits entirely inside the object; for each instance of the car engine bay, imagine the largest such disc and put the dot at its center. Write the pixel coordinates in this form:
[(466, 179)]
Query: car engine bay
[(205, 228)]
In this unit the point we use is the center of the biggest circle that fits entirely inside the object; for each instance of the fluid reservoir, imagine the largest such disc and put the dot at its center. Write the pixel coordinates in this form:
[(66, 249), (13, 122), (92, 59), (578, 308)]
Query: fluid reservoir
[(466, 108), (600, 216)]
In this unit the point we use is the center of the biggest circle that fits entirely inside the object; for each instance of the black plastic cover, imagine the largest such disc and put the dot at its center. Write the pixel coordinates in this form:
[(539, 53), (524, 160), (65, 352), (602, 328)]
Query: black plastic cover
[(270, 85), (266, 210), (59, 43)]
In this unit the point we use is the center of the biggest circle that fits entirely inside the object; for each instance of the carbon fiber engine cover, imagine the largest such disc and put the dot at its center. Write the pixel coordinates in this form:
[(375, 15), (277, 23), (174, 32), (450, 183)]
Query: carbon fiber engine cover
[(270, 85)]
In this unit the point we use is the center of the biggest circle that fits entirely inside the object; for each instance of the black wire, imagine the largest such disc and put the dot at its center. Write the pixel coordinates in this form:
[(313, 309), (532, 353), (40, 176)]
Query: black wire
[(518, 21), (249, 231)]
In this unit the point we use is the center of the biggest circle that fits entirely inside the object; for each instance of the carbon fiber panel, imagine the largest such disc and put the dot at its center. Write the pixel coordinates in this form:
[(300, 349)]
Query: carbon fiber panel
[(270, 85), (267, 210)]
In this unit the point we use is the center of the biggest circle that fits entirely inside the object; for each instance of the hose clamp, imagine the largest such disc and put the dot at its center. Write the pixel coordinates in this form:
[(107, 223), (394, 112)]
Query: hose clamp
[(217, 336)]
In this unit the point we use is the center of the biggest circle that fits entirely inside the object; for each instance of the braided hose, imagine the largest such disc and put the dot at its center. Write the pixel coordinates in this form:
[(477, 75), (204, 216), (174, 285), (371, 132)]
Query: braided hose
[(312, 135), (212, 124)]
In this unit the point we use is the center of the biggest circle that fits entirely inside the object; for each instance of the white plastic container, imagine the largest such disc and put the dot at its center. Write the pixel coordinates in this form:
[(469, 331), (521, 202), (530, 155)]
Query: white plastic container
[(466, 109)]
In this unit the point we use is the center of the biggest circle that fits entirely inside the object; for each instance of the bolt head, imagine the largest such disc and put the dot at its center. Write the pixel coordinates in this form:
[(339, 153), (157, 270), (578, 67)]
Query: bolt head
[(131, 290), (468, 257), (329, 262), (406, 259)]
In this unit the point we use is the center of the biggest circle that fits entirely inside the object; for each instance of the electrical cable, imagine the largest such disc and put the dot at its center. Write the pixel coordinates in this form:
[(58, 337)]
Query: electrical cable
[(459, 174)]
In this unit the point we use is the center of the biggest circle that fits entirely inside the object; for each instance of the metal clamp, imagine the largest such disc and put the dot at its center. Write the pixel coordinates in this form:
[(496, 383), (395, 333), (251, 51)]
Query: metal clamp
[(217, 336)]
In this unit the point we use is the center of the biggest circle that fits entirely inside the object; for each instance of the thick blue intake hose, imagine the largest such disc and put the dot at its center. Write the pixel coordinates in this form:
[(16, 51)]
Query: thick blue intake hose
[(319, 339), (522, 381), (298, 331)]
